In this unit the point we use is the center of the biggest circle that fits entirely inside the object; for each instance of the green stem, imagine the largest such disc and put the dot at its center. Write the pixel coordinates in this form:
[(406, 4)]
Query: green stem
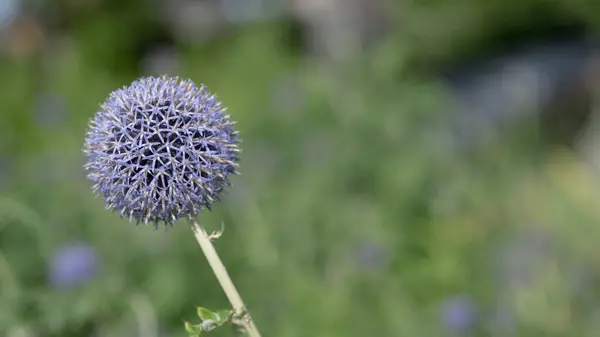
[(220, 272)]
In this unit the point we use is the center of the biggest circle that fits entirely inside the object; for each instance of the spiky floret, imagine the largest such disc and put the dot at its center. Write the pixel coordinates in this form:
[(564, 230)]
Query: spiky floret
[(160, 149)]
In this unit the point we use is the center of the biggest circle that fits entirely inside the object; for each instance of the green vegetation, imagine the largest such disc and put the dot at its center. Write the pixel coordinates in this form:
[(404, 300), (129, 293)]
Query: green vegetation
[(350, 218)]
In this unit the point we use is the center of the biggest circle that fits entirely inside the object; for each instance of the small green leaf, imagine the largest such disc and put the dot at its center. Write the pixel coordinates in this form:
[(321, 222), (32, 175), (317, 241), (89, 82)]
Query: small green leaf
[(223, 316), (205, 314), (193, 330)]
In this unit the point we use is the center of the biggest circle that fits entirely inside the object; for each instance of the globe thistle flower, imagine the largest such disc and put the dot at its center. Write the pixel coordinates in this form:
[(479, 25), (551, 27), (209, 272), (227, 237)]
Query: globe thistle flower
[(161, 149)]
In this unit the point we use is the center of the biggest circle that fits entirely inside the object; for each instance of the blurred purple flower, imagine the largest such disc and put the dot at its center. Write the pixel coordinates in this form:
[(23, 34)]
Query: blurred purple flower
[(458, 314), (74, 264)]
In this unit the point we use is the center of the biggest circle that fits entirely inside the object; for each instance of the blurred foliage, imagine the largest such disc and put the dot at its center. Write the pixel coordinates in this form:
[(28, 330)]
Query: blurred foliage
[(358, 163)]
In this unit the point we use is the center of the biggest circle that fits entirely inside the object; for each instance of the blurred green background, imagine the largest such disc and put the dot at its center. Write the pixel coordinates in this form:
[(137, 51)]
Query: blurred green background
[(410, 168)]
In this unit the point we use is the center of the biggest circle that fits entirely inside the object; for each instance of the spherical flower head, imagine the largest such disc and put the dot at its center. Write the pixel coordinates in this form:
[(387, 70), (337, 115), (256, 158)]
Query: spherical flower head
[(74, 264), (161, 149)]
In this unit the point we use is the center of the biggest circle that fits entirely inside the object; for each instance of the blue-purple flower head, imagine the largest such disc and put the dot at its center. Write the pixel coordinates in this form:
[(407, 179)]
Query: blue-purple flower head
[(74, 264), (459, 314), (161, 149)]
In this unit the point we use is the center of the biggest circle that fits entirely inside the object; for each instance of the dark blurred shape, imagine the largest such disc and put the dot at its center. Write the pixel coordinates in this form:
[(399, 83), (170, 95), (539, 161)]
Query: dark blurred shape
[(458, 314), (156, 52), (74, 264), (293, 35), (160, 60), (118, 34), (545, 81)]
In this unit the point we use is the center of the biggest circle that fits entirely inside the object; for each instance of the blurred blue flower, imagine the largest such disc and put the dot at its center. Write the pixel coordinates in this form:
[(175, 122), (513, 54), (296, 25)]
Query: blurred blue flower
[(74, 264), (458, 314)]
